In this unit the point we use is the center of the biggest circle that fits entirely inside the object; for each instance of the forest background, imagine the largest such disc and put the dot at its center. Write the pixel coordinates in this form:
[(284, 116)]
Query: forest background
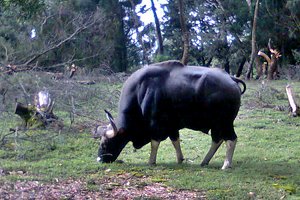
[(108, 35)]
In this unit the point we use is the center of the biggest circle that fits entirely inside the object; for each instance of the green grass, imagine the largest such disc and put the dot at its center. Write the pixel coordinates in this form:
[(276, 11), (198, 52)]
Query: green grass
[(266, 160)]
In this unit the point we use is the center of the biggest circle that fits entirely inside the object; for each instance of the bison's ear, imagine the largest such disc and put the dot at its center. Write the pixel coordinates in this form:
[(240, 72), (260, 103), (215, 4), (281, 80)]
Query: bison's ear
[(112, 121), (99, 131)]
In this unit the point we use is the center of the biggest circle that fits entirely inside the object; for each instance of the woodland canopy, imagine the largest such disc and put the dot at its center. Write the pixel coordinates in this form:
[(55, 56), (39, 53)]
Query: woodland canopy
[(109, 34)]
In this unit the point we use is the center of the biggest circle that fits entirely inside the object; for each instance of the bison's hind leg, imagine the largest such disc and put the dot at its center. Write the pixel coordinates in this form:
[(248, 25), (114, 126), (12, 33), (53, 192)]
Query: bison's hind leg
[(213, 149), (218, 135), (230, 146)]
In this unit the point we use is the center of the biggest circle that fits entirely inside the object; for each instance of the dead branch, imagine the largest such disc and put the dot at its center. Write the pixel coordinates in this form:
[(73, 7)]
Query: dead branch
[(294, 107), (272, 67), (265, 56), (90, 22), (78, 30), (72, 70), (26, 94), (45, 21), (87, 82)]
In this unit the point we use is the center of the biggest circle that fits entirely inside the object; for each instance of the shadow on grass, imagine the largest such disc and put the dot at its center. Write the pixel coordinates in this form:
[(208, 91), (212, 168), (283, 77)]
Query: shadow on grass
[(248, 170)]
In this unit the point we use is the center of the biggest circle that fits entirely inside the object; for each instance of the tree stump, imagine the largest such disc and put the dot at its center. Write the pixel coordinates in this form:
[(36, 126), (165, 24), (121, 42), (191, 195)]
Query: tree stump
[(38, 115), (294, 107)]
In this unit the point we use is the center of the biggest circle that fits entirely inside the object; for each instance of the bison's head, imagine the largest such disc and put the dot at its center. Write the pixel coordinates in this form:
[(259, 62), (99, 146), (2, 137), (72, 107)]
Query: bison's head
[(113, 140)]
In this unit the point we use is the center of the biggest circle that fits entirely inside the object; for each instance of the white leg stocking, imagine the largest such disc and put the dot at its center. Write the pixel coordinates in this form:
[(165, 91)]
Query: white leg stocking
[(230, 146), (154, 148), (177, 147)]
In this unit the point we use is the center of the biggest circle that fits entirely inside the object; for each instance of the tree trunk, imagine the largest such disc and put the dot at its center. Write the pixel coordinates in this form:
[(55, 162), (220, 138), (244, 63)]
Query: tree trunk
[(207, 64), (240, 69), (158, 31), (223, 36), (120, 62), (294, 107), (24, 112), (253, 43), (273, 67), (185, 33), (272, 70), (115, 14), (227, 66)]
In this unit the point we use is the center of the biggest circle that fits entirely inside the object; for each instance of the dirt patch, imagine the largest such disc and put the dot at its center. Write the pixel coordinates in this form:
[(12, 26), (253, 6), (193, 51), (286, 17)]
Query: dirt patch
[(123, 186)]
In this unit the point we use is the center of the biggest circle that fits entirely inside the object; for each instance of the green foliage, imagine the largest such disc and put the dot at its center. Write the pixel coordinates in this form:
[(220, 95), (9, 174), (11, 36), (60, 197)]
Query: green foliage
[(28, 8), (160, 58), (296, 55)]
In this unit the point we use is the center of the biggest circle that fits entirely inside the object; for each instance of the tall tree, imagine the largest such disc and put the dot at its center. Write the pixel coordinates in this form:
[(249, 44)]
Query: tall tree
[(158, 30), (115, 13), (253, 41), (185, 32)]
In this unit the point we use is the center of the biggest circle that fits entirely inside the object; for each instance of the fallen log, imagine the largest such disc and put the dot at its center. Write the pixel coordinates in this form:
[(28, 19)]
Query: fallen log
[(294, 107), (88, 82)]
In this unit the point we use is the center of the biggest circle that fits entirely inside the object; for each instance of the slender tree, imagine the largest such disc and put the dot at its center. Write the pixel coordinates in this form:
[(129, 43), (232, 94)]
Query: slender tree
[(185, 33), (253, 41), (114, 11), (158, 30)]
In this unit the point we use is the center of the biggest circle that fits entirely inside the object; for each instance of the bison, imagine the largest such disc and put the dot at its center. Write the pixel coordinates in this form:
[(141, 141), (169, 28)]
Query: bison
[(160, 99)]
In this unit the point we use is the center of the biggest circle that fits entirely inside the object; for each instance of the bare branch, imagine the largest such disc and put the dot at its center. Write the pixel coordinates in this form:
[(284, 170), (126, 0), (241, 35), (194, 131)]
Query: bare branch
[(265, 56), (27, 96), (90, 21), (45, 21)]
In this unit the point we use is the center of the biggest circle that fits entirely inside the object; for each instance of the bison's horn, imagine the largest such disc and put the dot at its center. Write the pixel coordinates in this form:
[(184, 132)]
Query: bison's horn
[(112, 121)]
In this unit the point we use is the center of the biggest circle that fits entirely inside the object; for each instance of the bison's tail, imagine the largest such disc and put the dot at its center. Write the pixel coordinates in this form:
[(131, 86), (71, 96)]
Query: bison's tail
[(240, 81)]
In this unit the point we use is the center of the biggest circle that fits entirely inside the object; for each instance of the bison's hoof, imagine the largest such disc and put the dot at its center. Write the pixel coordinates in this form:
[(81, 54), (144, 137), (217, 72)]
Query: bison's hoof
[(98, 159), (226, 166), (203, 164)]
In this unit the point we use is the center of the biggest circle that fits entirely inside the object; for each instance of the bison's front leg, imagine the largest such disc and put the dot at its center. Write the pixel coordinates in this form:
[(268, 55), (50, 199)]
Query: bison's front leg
[(154, 148), (230, 146), (179, 155), (213, 148)]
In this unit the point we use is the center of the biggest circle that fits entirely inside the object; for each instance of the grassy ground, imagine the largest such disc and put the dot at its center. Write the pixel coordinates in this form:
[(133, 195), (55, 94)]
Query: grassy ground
[(266, 162)]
